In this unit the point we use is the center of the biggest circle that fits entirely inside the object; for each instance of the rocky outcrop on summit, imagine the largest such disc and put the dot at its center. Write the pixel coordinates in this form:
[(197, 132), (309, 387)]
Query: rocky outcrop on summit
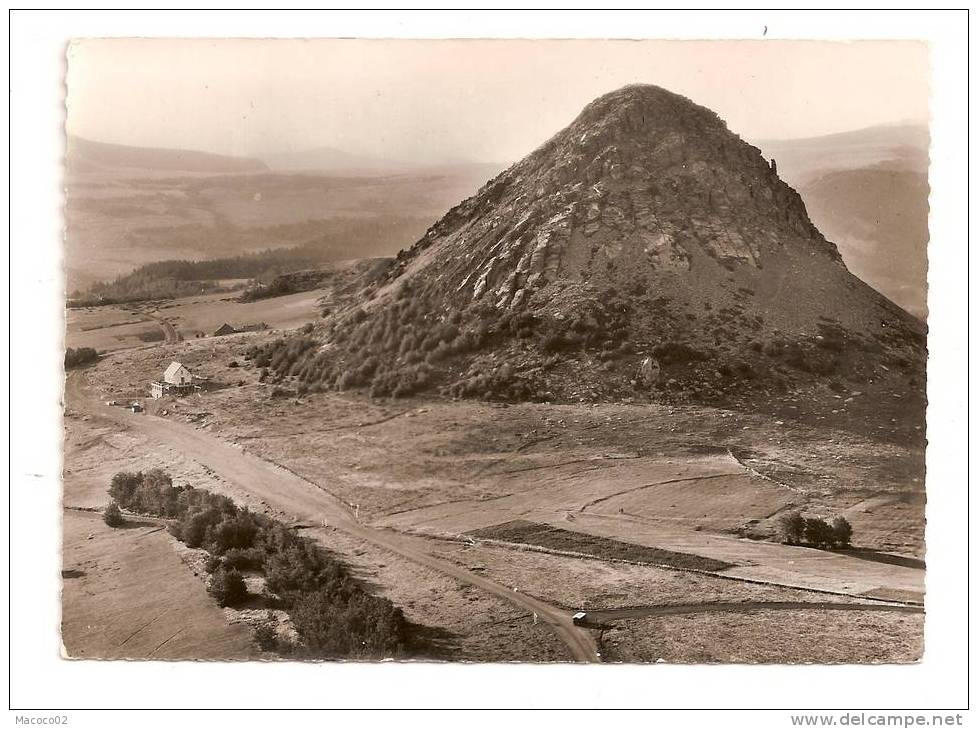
[(641, 174), (644, 252)]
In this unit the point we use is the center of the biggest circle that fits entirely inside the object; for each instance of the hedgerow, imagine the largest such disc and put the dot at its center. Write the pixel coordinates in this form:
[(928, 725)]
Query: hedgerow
[(306, 580)]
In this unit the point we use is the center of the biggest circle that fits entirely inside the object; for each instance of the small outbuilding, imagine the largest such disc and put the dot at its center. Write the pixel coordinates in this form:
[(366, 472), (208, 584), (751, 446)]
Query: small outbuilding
[(225, 330)]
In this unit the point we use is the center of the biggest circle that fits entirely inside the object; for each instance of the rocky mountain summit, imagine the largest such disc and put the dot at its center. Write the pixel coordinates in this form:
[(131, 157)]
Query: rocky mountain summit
[(642, 177), (645, 251)]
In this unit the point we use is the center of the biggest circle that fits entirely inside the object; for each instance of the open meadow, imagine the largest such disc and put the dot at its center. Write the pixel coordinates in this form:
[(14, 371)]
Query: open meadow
[(128, 594), (579, 507)]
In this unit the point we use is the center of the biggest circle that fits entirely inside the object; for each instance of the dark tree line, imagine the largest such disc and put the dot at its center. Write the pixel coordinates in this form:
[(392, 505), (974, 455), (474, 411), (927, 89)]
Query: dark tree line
[(331, 612), (173, 279)]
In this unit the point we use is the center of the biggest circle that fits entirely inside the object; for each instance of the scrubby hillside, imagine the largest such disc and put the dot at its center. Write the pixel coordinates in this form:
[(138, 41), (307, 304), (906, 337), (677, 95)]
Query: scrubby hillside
[(643, 252)]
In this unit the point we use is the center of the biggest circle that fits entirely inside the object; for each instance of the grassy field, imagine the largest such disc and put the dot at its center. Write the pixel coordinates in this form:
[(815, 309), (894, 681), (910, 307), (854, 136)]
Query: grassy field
[(127, 594), (679, 479), (110, 328), (589, 584), (457, 623), (466, 465), (808, 636), (107, 328), (202, 316), (451, 467)]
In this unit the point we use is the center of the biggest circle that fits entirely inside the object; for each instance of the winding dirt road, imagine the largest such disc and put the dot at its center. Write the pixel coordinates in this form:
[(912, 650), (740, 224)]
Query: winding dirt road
[(170, 334), (290, 493)]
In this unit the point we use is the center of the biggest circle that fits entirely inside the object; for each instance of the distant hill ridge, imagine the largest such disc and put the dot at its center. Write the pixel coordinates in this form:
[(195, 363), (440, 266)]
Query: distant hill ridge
[(895, 146), (85, 155)]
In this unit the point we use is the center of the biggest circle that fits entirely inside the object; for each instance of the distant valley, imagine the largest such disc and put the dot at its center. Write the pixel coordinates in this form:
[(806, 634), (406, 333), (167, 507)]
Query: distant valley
[(127, 207), (867, 191)]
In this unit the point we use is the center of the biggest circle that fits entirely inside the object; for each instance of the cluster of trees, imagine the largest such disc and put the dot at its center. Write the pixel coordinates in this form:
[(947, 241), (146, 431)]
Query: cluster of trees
[(227, 587), (396, 351), (141, 288), (80, 356), (403, 348), (280, 286), (416, 342), (332, 614), (176, 278), (815, 532)]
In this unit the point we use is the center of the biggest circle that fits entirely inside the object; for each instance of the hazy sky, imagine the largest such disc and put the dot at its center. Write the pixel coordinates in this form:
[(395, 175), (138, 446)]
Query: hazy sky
[(476, 100)]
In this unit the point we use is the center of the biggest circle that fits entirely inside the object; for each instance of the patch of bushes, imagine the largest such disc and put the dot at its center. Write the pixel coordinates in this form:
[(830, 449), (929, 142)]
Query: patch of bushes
[(807, 358), (112, 515), (280, 286), (79, 357), (815, 532), (332, 613), (267, 638), (325, 624), (832, 337), (678, 353), (282, 354), (151, 335), (238, 558), (227, 587), (418, 342), (500, 384)]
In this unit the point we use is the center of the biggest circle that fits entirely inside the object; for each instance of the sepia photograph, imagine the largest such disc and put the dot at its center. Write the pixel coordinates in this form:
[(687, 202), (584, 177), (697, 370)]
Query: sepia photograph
[(387, 377), (496, 350)]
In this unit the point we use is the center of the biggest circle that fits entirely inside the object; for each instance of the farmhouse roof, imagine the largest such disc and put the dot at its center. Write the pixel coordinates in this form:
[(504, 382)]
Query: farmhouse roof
[(172, 370)]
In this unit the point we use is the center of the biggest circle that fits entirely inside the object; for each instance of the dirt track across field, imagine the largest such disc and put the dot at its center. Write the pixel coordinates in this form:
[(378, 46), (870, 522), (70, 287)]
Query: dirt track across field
[(169, 333), (290, 493)]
